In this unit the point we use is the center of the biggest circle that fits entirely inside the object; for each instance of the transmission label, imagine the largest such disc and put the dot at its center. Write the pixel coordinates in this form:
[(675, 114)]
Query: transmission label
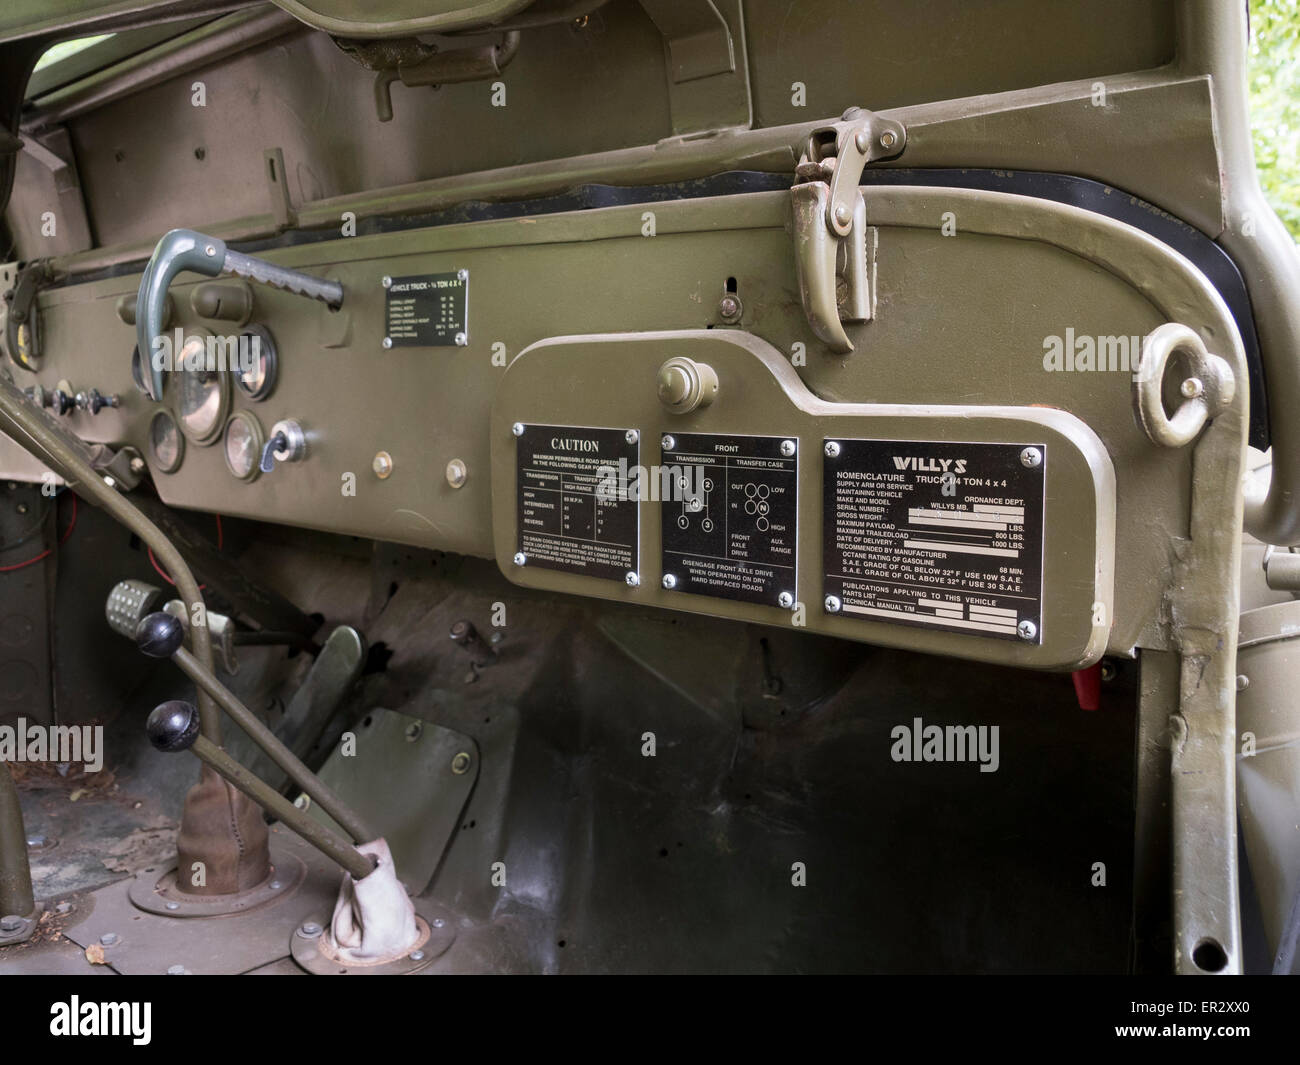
[(427, 310), (941, 535), (567, 520), (733, 529)]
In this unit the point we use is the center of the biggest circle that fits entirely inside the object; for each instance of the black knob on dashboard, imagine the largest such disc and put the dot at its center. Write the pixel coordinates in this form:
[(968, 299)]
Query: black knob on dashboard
[(159, 635), (61, 402), (173, 725)]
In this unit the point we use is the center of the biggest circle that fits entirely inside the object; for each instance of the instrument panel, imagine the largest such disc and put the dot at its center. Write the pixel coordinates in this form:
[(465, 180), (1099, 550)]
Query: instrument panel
[(413, 442)]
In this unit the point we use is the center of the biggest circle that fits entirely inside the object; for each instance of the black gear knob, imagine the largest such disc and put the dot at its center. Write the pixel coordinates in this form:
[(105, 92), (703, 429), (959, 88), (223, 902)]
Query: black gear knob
[(159, 635), (173, 726)]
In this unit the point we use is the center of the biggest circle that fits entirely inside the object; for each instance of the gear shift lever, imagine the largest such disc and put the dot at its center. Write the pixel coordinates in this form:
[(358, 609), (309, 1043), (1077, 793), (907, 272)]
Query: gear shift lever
[(161, 635), (174, 726)]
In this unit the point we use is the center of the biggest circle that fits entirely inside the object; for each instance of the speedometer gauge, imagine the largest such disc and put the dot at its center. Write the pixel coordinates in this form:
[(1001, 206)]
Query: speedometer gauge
[(243, 445), (204, 391), (166, 445)]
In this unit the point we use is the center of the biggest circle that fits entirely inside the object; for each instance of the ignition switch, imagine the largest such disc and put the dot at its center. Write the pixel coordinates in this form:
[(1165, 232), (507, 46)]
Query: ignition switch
[(287, 443)]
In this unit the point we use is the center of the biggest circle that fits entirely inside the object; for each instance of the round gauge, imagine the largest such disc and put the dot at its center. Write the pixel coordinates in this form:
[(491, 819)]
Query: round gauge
[(243, 445), (257, 363), (204, 393), (166, 445)]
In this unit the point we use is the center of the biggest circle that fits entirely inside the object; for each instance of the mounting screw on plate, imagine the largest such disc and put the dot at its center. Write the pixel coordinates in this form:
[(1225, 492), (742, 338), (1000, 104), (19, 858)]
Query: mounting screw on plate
[(460, 763), (787, 448), (633, 578), (310, 930), (520, 558), (667, 443), (785, 600), (457, 473), (461, 340), (669, 581), (832, 449), (517, 428), (387, 342), (631, 436), (1031, 457), (386, 281), (1027, 629), (382, 465), (462, 274), (888, 139), (832, 604)]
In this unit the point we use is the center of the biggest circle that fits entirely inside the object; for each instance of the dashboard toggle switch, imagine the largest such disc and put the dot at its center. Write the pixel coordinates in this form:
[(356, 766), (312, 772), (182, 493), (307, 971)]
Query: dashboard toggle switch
[(287, 443)]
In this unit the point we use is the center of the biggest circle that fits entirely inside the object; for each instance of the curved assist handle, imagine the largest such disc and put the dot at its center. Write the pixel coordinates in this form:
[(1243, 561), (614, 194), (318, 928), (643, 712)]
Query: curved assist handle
[(184, 249), (1206, 390), (179, 250)]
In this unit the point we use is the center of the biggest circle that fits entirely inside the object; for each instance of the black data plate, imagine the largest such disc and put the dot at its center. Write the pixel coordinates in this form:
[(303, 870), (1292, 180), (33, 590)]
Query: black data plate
[(733, 530), (428, 310), (941, 535), (568, 518)]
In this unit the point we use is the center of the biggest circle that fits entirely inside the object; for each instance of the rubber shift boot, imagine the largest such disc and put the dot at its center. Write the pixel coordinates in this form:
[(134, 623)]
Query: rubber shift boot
[(223, 829), (374, 920)]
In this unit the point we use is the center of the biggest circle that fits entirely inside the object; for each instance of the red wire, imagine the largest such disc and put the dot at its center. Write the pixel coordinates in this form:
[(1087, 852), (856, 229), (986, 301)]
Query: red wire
[(161, 573), (72, 524)]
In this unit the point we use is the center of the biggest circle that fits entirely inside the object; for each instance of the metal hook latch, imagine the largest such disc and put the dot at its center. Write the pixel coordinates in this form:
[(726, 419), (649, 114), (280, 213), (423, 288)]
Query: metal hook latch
[(834, 249)]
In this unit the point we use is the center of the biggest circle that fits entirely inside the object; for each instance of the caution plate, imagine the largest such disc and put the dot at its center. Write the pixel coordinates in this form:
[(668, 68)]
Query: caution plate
[(574, 513), (937, 534)]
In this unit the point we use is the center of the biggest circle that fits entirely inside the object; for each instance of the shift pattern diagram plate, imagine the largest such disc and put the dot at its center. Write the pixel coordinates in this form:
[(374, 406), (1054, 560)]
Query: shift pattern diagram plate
[(939, 534), (731, 529)]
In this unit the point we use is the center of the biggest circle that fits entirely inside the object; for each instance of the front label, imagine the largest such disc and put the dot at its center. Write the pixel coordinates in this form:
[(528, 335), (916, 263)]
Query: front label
[(428, 310), (942, 535), (569, 518), (732, 527)]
